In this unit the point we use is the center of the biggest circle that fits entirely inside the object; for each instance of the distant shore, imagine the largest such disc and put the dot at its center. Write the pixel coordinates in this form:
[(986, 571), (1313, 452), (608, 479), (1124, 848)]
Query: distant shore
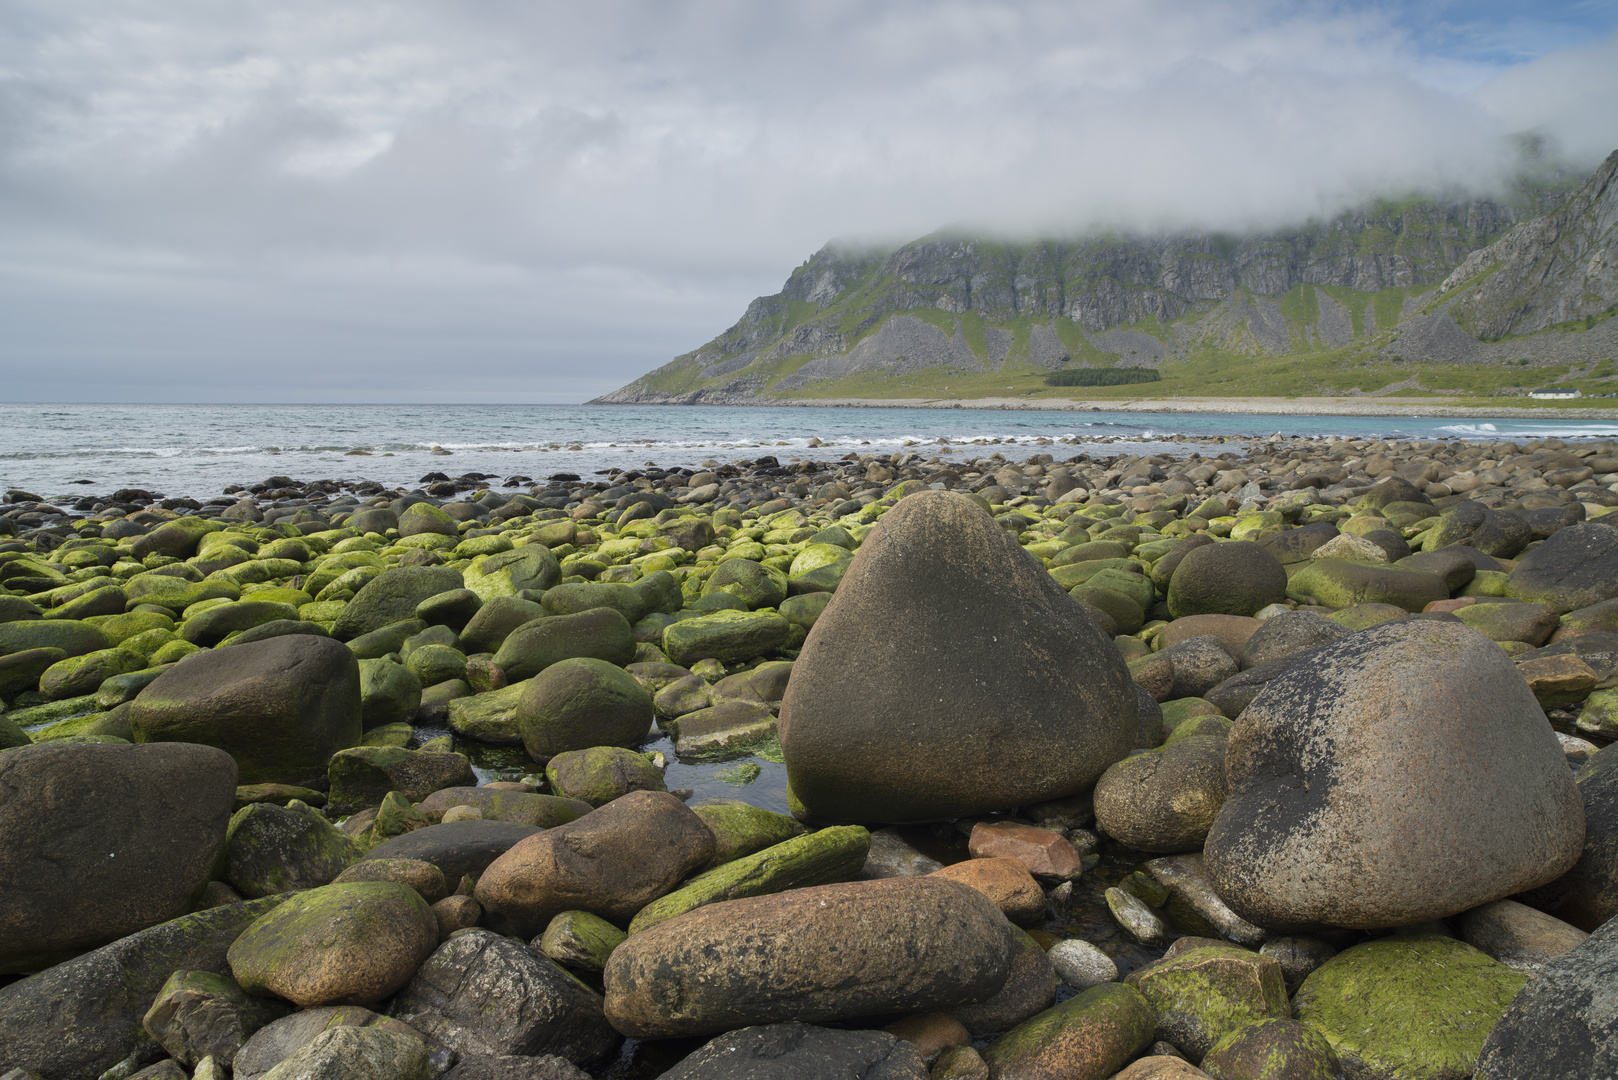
[(1261, 406)]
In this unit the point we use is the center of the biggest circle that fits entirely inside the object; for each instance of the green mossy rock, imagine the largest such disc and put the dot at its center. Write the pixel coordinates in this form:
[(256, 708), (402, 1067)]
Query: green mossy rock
[(117, 689), (741, 828), (11, 735), (473, 547), (804, 608), (580, 940), (353, 943), (275, 849), (389, 693), (1415, 1007), (579, 703), (122, 628), (361, 776), (600, 774), (726, 636), (1533, 623), (1339, 583), (384, 641), (113, 724), (434, 664), (754, 584), (80, 675), (598, 634), (107, 600), (530, 568), (212, 626), (177, 594), (495, 620), (397, 734), (1234, 578), (820, 858), (489, 717), (392, 596), (587, 595), (1365, 616), (424, 518), (1203, 994), (454, 608), (1273, 1050), (1090, 1035), (73, 637), (177, 539), (172, 652)]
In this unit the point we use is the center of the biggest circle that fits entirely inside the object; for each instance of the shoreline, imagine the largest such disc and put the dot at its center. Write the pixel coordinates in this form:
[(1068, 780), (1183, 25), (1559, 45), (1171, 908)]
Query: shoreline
[(1237, 406)]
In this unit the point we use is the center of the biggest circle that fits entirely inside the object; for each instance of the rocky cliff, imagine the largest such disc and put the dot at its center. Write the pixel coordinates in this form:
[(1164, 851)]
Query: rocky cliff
[(1378, 281)]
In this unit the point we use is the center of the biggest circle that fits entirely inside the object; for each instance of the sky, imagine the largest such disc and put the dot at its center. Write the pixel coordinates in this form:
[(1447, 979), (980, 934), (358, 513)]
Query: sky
[(528, 201)]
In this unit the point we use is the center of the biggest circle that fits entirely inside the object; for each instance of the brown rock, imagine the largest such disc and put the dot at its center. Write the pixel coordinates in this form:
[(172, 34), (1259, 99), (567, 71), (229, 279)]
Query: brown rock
[(1030, 988), (1232, 630), (865, 948), (1558, 680), (1161, 1067), (1279, 1049), (1203, 994), (1087, 1037), (930, 1033), (424, 877), (1004, 880), (1517, 935), (1043, 852), (456, 913), (960, 1063), (611, 862)]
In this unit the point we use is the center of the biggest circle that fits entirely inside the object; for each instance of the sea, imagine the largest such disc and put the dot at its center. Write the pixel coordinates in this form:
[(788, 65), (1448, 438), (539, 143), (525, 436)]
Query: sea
[(57, 450)]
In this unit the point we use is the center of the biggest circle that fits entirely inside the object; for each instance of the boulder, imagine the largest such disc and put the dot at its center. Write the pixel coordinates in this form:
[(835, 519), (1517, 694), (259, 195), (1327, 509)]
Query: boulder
[(424, 877), (523, 807), (1042, 851), (1030, 988), (1417, 748), (494, 621), (802, 1052), (1563, 1023), (1587, 895), (1533, 623), (1238, 577), (280, 707), (514, 1067), (72, 637), (209, 628), (1087, 1037), (270, 849), (530, 568), (726, 636), (276, 1042), (1407, 1005), (457, 848), (391, 597), (353, 943), (1517, 935), (1082, 965), (360, 776), (201, 1014), (1288, 634), (481, 993), (1166, 799), (578, 939), (601, 774), (1202, 994), (753, 584), (1233, 631), (600, 634), (1004, 880), (574, 597), (356, 1053), (1575, 568), (740, 828), (83, 1016), (941, 644), (867, 948), (1276, 1049), (389, 693), (1200, 664), (1338, 583), (611, 862), (581, 703), (175, 539), (101, 841)]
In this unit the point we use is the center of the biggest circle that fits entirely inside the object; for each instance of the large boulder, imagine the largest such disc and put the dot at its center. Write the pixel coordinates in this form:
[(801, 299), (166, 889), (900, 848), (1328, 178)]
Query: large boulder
[(802, 1052), (353, 943), (100, 841), (1405, 773), (1587, 895), (281, 707), (201, 1014), (481, 993), (391, 597), (83, 1016), (611, 862), (867, 948), (1575, 568), (1564, 1023), (1339, 583), (950, 675), (580, 703), (1238, 577)]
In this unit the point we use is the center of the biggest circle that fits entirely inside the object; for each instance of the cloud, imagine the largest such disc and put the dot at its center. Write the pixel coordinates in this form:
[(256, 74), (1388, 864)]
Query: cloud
[(564, 196)]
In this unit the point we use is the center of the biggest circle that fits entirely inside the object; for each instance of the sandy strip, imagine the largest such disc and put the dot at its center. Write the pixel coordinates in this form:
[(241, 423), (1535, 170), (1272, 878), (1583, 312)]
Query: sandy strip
[(1423, 407)]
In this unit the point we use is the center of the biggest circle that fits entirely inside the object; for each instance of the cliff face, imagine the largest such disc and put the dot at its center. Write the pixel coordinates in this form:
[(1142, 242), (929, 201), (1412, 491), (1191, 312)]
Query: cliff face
[(973, 305), (1551, 270)]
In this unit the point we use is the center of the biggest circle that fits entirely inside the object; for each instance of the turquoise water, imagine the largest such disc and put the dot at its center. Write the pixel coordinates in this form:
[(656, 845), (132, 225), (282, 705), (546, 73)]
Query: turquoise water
[(198, 449)]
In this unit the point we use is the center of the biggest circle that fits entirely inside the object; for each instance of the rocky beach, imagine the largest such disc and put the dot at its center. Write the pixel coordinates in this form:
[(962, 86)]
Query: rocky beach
[(1282, 759)]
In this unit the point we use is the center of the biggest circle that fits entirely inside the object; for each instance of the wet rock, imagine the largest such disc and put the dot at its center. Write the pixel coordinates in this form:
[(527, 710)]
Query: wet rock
[(578, 939), (1298, 956), (481, 993), (354, 943), (280, 707), (1322, 764), (875, 730), (522, 807), (830, 952), (100, 841), (1087, 1037), (1043, 852), (1407, 1005), (360, 776), (579, 703), (1193, 903), (611, 862), (741, 829), (1136, 919), (802, 1052), (1081, 965), (601, 774)]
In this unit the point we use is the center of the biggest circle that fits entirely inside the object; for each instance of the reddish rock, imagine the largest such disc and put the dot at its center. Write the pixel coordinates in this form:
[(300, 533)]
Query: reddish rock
[(1043, 852)]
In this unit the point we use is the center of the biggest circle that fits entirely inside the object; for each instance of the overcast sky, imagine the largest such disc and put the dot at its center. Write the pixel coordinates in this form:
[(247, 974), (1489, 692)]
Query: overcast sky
[(511, 200)]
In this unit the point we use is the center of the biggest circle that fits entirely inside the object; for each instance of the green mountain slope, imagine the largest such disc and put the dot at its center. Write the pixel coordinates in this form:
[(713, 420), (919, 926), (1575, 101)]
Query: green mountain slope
[(1414, 297)]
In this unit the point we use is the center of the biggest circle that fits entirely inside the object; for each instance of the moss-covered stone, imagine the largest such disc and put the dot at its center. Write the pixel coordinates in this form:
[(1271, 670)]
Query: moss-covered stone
[(121, 629), (578, 939), (600, 774), (397, 816), (754, 584), (175, 593), (1090, 1036), (598, 634), (117, 689), (421, 518), (1272, 1050), (489, 717), (274, 849), (727, 636), (361, 776), (72, 636), (741, 829), (530, 568), (1339, 583), (1408, 1006), (80, 675), (820, 858), (20, 671), (579, 703), (1203, 994), (389, 692)]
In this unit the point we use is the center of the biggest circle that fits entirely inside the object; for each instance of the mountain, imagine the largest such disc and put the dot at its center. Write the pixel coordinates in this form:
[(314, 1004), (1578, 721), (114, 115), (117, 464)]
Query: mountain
[(1426, 295)]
